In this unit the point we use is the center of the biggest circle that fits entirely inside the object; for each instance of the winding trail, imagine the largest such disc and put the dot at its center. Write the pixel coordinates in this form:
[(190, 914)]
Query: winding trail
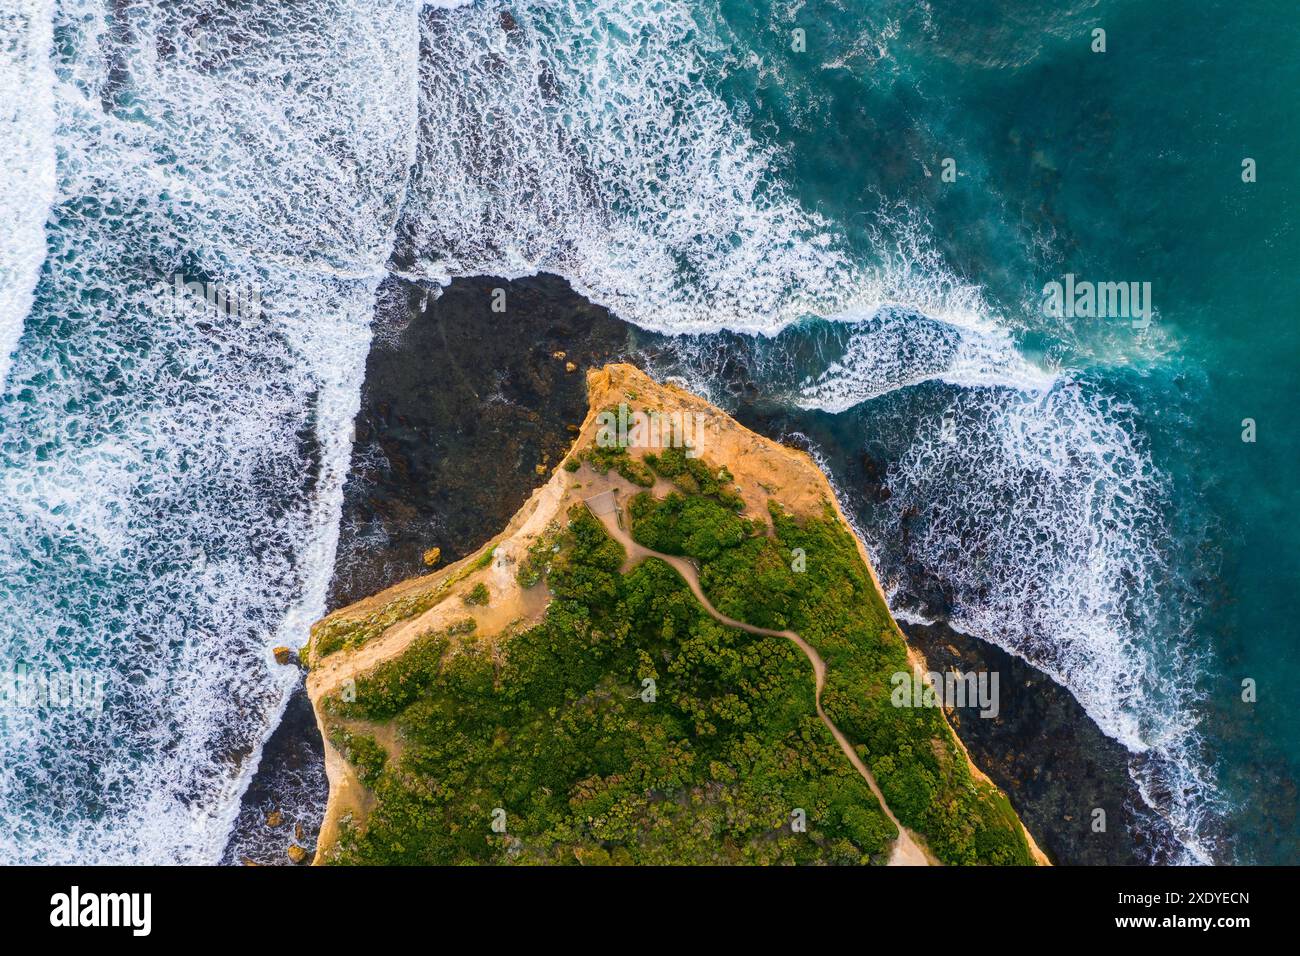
[(906, 852)]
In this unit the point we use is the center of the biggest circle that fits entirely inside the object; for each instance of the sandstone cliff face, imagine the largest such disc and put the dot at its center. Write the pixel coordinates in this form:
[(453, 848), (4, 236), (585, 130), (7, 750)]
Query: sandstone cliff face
[(499, 592)]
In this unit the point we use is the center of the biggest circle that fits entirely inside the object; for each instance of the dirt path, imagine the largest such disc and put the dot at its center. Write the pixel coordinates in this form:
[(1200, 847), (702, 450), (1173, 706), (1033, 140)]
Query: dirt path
[(906, 852)]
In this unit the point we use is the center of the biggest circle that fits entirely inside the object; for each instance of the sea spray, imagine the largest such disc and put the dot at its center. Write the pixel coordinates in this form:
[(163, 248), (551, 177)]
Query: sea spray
[(27, 158)]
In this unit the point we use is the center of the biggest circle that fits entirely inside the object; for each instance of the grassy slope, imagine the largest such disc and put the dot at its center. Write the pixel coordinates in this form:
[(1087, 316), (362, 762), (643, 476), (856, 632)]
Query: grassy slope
[(552, 728), (555, 733), (833, 604)]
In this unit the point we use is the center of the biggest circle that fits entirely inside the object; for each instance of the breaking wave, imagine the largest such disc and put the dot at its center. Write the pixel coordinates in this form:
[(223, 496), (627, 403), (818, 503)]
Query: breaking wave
[(585, 139), (1045, 520), (27, 157)]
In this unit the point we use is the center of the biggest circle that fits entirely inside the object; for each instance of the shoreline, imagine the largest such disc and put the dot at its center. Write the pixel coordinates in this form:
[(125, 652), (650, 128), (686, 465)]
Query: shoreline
[(431, 363)]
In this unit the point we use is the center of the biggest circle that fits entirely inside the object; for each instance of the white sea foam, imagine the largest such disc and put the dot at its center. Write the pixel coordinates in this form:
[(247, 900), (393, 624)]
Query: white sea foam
[(585, 139), (26, 158), (1043, 515), (893, 347), (170, 482)]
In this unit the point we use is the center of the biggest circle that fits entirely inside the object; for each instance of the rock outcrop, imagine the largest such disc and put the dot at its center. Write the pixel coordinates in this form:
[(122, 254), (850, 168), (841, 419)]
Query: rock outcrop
[(481, 603)]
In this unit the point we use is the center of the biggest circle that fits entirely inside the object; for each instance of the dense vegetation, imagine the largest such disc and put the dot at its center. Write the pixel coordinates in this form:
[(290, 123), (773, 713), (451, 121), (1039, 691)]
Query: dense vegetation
[(362, 751), (627, 727), (695, 526), (696, 477), (808, 577)]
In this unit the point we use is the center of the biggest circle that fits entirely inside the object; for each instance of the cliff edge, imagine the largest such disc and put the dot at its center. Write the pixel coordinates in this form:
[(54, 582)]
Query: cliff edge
[(675, 652)]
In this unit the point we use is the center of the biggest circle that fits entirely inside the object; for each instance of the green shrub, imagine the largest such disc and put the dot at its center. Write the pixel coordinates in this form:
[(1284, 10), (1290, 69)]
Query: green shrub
[(336, 633), (556, 733), (835, 606), (538, 560), (695, 476), (362, 751), (616, 457), (391, 687), (698, 527)]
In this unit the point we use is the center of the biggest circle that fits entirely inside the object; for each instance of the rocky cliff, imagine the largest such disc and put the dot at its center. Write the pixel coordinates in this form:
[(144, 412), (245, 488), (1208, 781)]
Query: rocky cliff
[(565, 695)]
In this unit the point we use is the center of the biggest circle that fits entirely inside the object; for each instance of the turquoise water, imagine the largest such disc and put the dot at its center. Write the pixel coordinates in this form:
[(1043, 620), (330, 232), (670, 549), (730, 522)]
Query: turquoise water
[(1122, 165), (170, 480)]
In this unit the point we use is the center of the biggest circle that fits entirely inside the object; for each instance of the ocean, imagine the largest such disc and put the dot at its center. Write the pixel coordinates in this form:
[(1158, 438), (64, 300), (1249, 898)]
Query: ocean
[(864, 201)]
